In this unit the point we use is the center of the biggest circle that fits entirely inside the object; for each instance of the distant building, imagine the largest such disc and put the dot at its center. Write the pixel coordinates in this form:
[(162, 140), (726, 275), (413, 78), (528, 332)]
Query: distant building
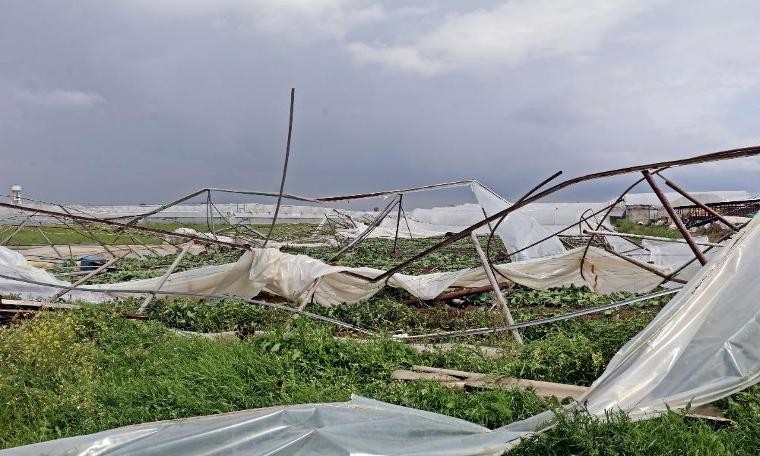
[(647, 207), (640, 213)]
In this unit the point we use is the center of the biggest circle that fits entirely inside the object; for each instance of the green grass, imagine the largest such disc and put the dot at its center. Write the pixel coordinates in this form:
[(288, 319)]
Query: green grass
[(62, 235), (94, 234), (626, 226), (70, 373), (64, 374)]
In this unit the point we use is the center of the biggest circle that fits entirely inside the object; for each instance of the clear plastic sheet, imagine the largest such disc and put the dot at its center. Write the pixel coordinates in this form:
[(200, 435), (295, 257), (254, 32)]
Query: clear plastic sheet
[(518, 230), (701, 347), (358, 427), (670, 254)]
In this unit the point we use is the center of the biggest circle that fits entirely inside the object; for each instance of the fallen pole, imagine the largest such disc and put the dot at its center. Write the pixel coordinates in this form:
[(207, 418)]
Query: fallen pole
[(375, 223), (18, 228), (538, 322), (704, 207), (163, 279), (644, 266), (87, 277), (495, 286), (47, 239), (284, 168), (676, 219), (715, 156)]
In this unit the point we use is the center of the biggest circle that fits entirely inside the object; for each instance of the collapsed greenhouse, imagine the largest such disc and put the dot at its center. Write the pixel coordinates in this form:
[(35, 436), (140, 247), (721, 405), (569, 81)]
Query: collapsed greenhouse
[(699, 348)]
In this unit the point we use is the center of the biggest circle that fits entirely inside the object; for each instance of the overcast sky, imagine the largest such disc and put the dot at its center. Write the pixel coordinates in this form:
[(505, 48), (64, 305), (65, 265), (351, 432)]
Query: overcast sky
[(144, 100)]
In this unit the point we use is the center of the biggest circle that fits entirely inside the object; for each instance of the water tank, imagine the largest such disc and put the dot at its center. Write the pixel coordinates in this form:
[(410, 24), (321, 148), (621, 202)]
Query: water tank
[(16, 194)]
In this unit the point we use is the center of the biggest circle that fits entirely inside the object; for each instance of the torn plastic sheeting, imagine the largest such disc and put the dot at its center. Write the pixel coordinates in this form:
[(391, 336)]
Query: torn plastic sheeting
[(518, 230), (14, 264), (701, 347), (302, 278), (359, 426)]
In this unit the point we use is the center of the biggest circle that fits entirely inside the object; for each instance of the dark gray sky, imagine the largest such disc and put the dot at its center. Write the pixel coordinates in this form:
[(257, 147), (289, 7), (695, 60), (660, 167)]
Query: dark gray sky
[(144, 100)]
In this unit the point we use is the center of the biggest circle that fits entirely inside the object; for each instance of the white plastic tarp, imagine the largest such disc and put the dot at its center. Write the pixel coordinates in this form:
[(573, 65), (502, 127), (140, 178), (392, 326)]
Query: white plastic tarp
[(302, 278), (518, 230), (13, 264)]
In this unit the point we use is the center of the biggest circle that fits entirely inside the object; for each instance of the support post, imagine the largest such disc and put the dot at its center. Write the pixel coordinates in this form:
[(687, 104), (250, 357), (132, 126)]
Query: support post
[(18, 228), (703, 206), (366, 232), (496, 290), (398, 222), (55, 249), (166, 275), (676, 219)]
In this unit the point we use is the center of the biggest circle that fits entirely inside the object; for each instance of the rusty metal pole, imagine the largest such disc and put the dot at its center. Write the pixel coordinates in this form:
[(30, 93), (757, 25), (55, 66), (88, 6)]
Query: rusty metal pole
[(704, 207), (87, 277), (18, 228), (398, 221), (676, 219), (50, 243), (496, 289), (163, 278)]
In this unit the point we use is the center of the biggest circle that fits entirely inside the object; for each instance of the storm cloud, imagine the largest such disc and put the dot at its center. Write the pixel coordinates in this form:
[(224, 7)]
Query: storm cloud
[(143, 100)]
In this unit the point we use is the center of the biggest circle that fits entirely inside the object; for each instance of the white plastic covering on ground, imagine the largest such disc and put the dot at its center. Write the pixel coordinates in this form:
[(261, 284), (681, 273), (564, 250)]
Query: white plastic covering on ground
[(701, 347), (664, 254), (15, 265), (358, 427), (301, 278)]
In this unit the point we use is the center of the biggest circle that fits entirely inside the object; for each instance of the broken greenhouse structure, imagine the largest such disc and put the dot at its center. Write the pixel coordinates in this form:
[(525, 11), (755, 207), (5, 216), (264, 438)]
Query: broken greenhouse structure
[(674, 362)]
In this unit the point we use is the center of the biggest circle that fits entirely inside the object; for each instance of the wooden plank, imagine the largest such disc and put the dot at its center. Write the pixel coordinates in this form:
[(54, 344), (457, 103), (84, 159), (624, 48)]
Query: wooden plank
[(541, 388)]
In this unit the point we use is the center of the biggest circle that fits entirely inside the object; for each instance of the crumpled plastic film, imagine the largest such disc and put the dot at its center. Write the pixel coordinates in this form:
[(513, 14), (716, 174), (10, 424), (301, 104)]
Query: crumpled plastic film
[(358, 427), (518, 230), (701, 347), (302, 278)]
